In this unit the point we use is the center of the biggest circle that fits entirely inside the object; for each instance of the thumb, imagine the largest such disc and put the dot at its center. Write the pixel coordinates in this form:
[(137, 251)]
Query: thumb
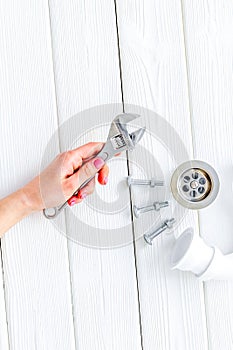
[(87, 171)]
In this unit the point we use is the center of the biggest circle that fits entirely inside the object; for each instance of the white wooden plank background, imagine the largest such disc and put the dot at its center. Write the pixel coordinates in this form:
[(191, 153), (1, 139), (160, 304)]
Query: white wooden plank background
[(35, 260), (87, 74), (4, 344), (154, 76), (59, 58), (209, 38)]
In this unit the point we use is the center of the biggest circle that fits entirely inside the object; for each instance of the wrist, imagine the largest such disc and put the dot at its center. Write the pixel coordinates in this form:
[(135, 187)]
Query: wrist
[(31, 197), (24, 201)]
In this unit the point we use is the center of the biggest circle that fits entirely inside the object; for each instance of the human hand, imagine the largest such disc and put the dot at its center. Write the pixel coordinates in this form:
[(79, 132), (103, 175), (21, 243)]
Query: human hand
[(57, 183)]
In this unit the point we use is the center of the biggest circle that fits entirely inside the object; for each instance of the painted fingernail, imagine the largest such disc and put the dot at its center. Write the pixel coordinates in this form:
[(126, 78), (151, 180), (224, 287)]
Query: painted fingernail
[(105, 181), (82, 195), (71, 203), (99, 163)]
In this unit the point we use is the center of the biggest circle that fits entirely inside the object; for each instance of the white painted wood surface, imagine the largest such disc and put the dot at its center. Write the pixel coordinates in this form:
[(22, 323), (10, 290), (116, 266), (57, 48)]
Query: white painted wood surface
[(57, 59), (154, 76), (35, 259), (4, 344), (87, 74), (209, 38)]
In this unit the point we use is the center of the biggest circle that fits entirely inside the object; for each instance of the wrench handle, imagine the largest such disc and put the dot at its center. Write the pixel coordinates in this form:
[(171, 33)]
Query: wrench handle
[(52, 213)]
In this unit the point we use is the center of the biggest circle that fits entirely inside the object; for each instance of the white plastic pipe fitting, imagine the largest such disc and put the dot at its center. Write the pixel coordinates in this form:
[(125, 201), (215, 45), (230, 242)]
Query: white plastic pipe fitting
[(191, 253)]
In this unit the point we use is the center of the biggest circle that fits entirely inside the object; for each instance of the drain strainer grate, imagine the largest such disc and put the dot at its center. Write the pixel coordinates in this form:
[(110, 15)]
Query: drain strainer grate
[(195, 184)]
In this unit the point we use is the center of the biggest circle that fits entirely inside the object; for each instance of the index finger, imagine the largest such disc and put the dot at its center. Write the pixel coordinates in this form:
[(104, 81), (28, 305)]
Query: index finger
[(83, 153), (88, 150)]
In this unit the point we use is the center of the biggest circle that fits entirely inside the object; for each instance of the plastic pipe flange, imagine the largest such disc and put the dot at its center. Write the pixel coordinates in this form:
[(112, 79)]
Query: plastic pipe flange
[(191, 253), (195, 184)]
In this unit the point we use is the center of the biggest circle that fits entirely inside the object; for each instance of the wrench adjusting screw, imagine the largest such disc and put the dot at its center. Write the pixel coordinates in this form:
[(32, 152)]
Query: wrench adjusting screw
[(167, 224)]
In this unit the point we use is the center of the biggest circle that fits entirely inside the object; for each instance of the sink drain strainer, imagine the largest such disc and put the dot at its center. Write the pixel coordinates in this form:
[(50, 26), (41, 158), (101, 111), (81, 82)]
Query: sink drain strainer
[(195, 184)]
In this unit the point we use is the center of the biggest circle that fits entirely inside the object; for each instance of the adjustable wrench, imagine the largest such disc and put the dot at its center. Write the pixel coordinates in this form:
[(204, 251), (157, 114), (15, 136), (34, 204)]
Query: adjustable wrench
[(119, 140)]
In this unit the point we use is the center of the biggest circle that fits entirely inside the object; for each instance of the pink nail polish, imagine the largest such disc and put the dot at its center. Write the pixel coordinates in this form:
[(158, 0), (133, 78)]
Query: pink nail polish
[(99, 163), (105, 180), (72, 203), (83, 195)]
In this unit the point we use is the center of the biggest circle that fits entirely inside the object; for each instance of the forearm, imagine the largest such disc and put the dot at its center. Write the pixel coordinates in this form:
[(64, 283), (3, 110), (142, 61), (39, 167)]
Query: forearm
[(13, 209), (56, 184)]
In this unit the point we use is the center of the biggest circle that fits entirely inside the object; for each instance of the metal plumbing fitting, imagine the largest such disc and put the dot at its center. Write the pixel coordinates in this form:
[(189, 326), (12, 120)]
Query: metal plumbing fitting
[(195, 184), (166, 225)]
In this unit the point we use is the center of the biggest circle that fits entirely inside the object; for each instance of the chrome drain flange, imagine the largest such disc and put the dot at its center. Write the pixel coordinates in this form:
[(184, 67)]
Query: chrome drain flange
[(195, 184)]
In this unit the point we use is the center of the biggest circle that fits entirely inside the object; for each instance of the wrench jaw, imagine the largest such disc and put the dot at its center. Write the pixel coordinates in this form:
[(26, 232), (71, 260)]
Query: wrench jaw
[(118, 132), (137, 135), (118, 123), (126, 117)]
